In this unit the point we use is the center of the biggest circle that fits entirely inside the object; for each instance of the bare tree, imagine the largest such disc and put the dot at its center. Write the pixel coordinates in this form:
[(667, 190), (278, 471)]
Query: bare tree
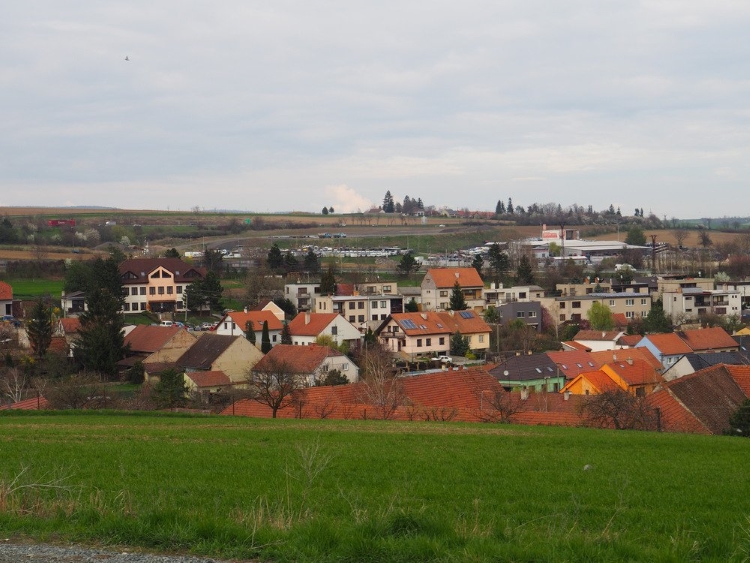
[(72, 392), (380, 388), (14, 384), (498, 406), (679, 236), (619, 409), (275, 384)]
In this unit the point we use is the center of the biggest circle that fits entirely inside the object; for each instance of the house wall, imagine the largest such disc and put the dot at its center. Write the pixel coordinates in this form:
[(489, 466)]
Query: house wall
[(238, 360), (397, 341), (173, 349), (229, 327)]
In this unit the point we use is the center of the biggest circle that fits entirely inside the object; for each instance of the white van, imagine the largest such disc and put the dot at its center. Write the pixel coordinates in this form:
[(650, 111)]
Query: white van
[(166, 323)]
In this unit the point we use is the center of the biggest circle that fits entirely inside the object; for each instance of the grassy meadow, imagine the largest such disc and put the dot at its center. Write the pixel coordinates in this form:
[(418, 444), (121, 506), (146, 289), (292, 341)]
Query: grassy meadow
[(312, 490), (31, 289)]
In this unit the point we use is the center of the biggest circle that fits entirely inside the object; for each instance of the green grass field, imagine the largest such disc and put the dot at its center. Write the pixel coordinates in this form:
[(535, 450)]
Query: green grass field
[(304, 490), (31, 289)]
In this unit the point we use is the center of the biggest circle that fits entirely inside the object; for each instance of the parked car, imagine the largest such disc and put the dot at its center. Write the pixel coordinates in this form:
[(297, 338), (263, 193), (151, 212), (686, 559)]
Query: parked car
[(206, 326), (442, 358)]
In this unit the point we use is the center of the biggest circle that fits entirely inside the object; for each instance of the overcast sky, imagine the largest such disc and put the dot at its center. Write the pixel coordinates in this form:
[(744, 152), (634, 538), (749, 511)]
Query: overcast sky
[(292, 105)]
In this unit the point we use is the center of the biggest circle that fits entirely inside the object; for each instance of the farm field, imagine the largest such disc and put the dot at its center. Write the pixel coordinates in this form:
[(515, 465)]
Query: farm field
[(31, 289), (319, 490)]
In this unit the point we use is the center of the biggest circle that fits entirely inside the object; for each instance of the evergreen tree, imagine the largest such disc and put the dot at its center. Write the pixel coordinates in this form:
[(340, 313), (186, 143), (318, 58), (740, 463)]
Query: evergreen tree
[(524, 272), (370, 338), (286, 334), (291, 264), (330, 210), (636, 236), (275, 258), (325, 211), (286, 305), (388, 205), (478, 264), (739, 420), (459, 344), (39, 328), (171, 390), (311, 263), (420, 205), (407, 265), (509, 209), (101, 343), (172, 253), (212, 290), (657, 320), (411, 306), (265, 339), (457, 302), (328, 281), (499, 262), (500, 207), (250, 332)]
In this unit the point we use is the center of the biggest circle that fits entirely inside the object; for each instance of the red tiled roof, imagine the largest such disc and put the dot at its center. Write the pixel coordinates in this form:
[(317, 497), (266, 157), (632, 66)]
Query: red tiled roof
[(428, 322), (6, 292), (457, 320), (70, 325), (669, 344), (209, 378), (741, 375), (58, 344), (573, 345), (635, 372), (447, 277), (240, 318), (148, 265), (573, 362), (150, 338), (703, 339), (597, 335), (299, 326), (600, 380), (621, 321), (344, 289), (674, 416), (607, 356), (32, 404), (299, 359), (629, 340)]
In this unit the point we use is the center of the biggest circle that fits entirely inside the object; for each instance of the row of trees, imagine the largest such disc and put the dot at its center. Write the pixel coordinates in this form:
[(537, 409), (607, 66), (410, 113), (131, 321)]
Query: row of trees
[(408, 207)]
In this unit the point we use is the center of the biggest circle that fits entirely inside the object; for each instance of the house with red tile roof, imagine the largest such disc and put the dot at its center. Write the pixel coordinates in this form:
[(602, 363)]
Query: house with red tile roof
[(572, 363), (416, 335), (591, 383), (701, 402), (472, 326), (207, 382), (37, 403), (637, 377), (714, 339), (667, 347), (235, 323), (155, 345), (629, 340), (156, 284), (597, 340), (306, 327), (438, 284), (310, 363), (6, 299)]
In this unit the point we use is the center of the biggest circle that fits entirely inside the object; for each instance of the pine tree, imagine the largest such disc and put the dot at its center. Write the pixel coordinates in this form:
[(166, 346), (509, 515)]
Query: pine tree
[(500, 207), (459, 344), (328, 281), (250, 332), (388, 205), (171, 390), (478, 264), (286, 334), (311, 263), (265, 339), (101, 343), (499, 262), (457, 302), (275, 259), (524, 272), (39, 328), (510, 206)]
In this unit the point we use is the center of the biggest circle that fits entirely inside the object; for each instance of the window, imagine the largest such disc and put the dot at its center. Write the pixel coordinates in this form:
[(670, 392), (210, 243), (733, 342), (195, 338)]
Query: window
[(386, 288), (273, 338), (161, 290), (532, 314), (611, 302), (442, 341), (562, 304), (443, 293), (351, 318), (143, 306), (361, 305), (351, 304), (428, 342), (334, 330), (643, 301), (133, 291), (522, 295), (126, 306), (361, 318), (629, 314), (382, 317), (562, 317), (419, 342), (169, 290), (629, 302), (520, 314), (576, 305), (345, 367), (374, 317), (152, 291), (382, 304), (226, 326), (143, 291), (481, 338), (179, 289), (374, 304)]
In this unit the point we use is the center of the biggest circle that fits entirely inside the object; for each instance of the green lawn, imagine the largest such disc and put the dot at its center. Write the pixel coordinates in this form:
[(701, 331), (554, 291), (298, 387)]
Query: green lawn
[(31, 289), (311, 490)]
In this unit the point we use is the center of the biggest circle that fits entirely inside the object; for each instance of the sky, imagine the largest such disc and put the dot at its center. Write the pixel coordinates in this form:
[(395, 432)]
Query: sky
[(295, 105)]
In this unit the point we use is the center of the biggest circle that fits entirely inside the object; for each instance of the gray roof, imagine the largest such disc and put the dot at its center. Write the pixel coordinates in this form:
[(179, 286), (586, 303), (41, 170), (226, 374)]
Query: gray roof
[(205, 351), (701, 361), (526, 368)]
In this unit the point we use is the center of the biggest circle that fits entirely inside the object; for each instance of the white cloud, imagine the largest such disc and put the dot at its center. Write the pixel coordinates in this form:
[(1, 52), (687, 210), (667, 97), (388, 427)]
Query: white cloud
[(344, 199)]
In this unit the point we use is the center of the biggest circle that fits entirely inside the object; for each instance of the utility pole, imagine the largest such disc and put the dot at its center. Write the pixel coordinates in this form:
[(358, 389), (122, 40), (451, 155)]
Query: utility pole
[(653, 254)]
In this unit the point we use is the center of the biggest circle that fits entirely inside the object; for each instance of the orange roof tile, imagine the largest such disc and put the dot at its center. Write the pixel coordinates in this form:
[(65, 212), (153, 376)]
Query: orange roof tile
[(299, 326), (6, 291), (32, 404), (629, 340), (669, 344), (70, 325), (240, 318), (58, 344), (607, 356), (465, 322), (573, 362), (447, 277), (674, 416), (703, 339), (150, 338), (573, 345), (299, 359), (635, 372), (209, 378), (741, 375), (621, 321), (429, 322), (601, 381)]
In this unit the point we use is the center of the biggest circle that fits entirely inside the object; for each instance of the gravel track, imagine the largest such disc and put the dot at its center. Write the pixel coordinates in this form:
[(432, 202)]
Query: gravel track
[(44, 553)]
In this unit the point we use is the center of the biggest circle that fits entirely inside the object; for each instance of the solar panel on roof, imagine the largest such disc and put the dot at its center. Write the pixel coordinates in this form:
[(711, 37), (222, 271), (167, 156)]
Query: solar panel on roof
[(408, 323), (466, 314)]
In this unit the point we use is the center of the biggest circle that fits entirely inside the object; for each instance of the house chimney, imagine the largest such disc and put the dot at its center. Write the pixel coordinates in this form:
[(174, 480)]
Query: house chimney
[(630, 361), (307, 317), (457, 275), (245, 309), (524, 394), (566, 395), (614, 357)]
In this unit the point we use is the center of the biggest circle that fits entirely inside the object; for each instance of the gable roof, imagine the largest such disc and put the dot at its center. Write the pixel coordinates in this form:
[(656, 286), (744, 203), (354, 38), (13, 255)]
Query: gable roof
[(417, 324), (205, 351), (598, 335), (525, 368), (150, 338), (240, 318), (182, 271), (621, 321), (318, 322), (699, 361), (629, 340), (465, 322), (32, 404), (741, 375), (673, 415), (208, 378), (599, 380), (635, 372), (6, 292), (573, 362), (708, 339), (70, 325), (299, 359), (447, 277), (668, 343)]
